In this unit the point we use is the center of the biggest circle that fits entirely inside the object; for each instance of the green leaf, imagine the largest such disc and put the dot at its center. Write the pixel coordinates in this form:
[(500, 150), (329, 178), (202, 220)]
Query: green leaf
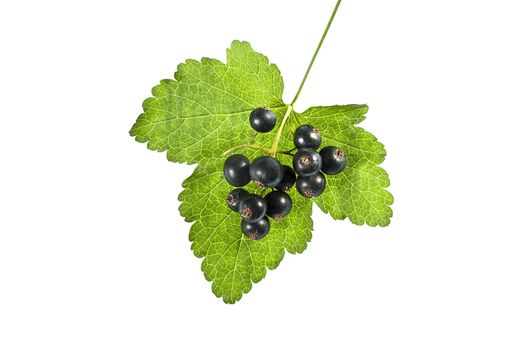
[(359, 192), (195, 118), (231, 260), (203, 112)]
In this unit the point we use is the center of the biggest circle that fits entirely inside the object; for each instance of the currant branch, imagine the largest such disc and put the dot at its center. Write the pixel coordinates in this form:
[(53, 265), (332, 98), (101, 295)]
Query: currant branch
[(274, 148)]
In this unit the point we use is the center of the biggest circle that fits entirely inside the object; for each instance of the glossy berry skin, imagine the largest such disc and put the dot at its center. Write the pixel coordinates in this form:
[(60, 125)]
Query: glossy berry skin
[(256, 230), (306, 162), (307, 136), (236, 170), (252, 207), (333, 160), (262, 119), (288, 180), (311, 186), (279, 204), (234, 197), (266, 171)]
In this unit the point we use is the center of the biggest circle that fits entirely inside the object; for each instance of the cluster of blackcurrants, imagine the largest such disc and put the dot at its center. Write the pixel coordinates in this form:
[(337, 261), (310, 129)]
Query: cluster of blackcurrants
[(267, 172)]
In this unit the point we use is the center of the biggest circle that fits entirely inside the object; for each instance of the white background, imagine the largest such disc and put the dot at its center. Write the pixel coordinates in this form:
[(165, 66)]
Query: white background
[(93, 252)]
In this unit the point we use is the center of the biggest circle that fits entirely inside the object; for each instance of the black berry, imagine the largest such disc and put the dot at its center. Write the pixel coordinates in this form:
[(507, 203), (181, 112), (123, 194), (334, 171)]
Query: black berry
[(262, 119), (236, 170), (266, 171), (288, 180), (306, 162), (311, 186), (256, 230), (234, 197), (333, 160), (307, 136), (279, 204), (252, 207)]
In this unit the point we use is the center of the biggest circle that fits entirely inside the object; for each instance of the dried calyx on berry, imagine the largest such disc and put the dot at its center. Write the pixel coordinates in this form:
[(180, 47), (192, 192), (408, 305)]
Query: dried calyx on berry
[(252, 207), (307, 136), (266, 171), (256, 230), (288, 180), (333, 160), (234, 197), (279, 204), (306, 162), (311, 186)]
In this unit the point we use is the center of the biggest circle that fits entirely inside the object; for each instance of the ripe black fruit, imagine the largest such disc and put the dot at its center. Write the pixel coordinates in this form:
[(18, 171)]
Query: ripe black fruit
[(307, 136), (288, 180), (252, 207), (333, 160), (256, 230), (311, 186), (234, 197), (262, 119), (279, 204), (266, 171), (306, 162), (236, 170)]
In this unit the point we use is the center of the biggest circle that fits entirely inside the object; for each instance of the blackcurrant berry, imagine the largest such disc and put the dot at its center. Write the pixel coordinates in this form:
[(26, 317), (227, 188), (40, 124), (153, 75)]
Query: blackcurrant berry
[(333, 160), (236, 170), (288, 180), (307, 136), (266, 171), (279, 204), (311, 186), (306, 162), (234, 197), (252, 207), (262, 119), (256, 230)]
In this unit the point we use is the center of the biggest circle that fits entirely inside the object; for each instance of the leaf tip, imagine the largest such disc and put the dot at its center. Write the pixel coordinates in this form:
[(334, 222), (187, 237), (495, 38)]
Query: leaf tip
[(240, 44)]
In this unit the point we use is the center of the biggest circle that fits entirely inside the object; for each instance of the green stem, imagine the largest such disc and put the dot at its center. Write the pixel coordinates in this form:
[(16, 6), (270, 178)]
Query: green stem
[(274, 148), (252, 137), (316, 52), (286, 153)]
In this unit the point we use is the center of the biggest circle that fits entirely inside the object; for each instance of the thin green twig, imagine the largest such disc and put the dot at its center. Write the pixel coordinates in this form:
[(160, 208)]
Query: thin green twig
[(316, 52)]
